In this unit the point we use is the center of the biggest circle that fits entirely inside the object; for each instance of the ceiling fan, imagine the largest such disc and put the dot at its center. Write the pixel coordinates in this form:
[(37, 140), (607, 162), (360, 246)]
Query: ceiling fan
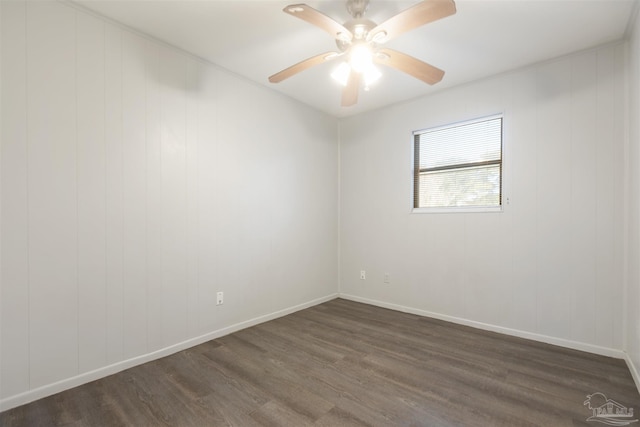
[(359, 40)]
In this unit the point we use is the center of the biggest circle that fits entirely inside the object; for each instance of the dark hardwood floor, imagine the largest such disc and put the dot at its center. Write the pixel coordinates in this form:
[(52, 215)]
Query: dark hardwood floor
[(347, 364)]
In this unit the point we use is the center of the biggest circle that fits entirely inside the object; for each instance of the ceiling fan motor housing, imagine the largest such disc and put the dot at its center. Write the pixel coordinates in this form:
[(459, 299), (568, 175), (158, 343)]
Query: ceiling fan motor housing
[(360, 28)]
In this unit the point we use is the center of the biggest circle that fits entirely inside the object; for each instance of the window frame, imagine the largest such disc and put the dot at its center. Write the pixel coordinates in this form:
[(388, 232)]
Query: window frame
[(416, 170)]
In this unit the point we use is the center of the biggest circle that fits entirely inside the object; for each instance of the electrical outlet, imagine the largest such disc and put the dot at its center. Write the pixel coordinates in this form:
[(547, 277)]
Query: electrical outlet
[(363, 275), (220, 298), (387, 280)]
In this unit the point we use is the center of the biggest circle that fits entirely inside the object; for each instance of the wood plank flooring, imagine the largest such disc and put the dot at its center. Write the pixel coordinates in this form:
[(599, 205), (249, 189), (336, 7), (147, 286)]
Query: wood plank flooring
[(347, 364)]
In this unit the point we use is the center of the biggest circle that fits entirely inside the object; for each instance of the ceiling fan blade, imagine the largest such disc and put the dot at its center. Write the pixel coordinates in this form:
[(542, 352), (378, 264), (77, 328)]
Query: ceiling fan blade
[(422, 13), (410, 65), (303, 65), (350, 91), (320, 20)]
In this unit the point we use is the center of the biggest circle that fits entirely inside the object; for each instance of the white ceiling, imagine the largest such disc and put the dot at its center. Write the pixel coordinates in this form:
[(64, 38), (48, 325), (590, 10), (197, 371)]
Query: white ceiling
[(255, 39)]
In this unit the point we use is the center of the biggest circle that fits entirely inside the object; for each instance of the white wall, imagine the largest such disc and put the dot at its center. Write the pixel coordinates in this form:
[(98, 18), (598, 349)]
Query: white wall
[(550, 266), (137, 182), (633, 292)]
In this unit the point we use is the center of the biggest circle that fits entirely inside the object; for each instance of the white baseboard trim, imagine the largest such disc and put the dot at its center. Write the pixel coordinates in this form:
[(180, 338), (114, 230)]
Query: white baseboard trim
[(49, 389), (604, 351), (633, 370)]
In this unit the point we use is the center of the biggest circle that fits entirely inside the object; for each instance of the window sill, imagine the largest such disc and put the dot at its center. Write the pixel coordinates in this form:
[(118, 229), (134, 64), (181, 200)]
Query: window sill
[(458, 209)]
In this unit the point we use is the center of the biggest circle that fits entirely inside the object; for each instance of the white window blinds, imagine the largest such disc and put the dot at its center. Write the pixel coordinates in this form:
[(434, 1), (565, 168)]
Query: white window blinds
[(459, 165)]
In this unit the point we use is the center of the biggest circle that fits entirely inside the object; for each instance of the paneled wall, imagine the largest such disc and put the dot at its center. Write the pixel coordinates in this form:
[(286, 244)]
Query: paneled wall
[(633, 294), (138, 181), (550, 266)]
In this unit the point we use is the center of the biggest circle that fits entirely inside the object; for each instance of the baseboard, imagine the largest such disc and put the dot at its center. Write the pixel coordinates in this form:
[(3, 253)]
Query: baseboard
[(49, 389), (604, 351), (633, 370)]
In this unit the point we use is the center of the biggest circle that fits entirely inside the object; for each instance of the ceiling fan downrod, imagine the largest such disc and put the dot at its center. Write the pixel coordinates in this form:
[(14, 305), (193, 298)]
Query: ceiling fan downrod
[(357, 8)]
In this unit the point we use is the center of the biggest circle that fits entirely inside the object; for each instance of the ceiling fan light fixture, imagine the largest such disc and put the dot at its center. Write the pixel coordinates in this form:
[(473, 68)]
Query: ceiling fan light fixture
[(341, 73), (361, 58), (371, 75)]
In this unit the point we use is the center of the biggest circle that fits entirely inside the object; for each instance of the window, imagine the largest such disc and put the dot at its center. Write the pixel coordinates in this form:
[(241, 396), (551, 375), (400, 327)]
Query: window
[(459, 166)]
